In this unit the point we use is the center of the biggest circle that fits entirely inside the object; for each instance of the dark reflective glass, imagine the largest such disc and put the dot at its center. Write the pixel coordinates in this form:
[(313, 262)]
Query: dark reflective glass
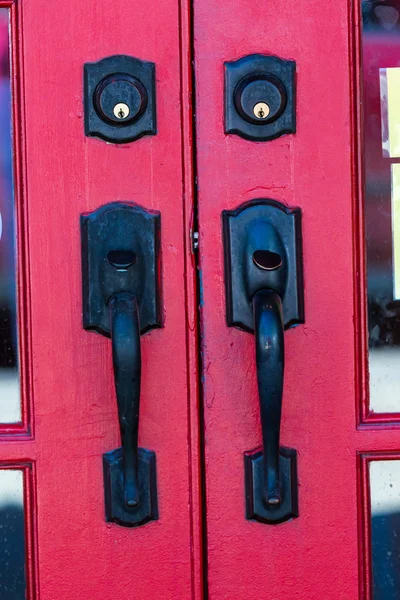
[(12, 536), (10, 404), (385, 528), (381, 138)]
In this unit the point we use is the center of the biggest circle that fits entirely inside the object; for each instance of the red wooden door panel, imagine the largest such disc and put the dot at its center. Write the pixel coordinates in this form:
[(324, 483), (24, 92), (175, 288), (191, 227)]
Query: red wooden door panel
[(68, 406), (316, 555), (73, 419)]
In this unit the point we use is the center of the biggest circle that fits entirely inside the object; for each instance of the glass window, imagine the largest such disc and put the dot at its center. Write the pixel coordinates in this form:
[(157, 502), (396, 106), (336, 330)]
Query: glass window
[(385, 528), (381, 139), (10, 404), (12, 535)]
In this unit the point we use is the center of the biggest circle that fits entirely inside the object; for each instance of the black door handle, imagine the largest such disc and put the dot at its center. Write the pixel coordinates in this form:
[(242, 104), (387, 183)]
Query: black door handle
[(270, 357), (121, 299), (264, 295), (125, 336)]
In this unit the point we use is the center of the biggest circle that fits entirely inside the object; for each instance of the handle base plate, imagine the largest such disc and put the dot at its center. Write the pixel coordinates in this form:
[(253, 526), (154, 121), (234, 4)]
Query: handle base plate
[(147, 509), (256, 508), (130, 230), (262, 225)]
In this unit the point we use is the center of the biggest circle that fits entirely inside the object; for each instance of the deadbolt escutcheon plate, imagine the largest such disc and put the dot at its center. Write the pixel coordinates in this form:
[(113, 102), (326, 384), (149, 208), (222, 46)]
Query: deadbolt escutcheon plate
[(119, 98), (260, 97)]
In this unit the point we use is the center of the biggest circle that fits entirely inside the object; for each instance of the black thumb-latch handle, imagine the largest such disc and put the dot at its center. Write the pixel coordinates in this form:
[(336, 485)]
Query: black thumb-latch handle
[(125, 336), (121, 299), (269, 327)]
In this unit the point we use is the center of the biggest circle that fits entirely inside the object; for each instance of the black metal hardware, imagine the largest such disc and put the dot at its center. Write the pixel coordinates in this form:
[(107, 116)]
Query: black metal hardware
[(270, 357), (125, 337), (119, 96), (264, 295), (121, 299), (260, 97)]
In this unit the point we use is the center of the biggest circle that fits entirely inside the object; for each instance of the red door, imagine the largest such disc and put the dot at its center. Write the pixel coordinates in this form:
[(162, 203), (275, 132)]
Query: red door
[(342, 423), (215, 188), (69, 415)]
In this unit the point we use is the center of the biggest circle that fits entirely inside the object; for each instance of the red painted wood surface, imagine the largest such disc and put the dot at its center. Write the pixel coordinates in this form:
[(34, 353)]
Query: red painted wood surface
[(73, 421), (70, 415), (317, 555)]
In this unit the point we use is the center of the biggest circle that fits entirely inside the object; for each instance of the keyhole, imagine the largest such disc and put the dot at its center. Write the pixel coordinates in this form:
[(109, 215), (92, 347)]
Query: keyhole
[(261, 110), (121, 110)]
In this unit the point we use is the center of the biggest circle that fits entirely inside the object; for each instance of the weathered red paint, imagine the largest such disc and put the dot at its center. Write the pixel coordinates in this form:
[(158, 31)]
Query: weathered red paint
[(69, 409), (317, 555), (73, 418)]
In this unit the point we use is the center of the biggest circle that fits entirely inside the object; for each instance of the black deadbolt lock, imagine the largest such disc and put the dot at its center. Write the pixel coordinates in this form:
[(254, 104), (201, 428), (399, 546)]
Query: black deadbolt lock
[(260, 97), (120, 99)]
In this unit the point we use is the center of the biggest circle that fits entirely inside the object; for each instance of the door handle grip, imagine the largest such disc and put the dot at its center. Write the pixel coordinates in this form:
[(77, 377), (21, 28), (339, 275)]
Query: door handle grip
[(125, 337), (121, 299), (264, 296), (270, 357)]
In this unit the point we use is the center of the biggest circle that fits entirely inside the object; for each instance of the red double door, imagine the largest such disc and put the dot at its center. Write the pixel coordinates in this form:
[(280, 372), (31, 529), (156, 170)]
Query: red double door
[(200, 405)]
